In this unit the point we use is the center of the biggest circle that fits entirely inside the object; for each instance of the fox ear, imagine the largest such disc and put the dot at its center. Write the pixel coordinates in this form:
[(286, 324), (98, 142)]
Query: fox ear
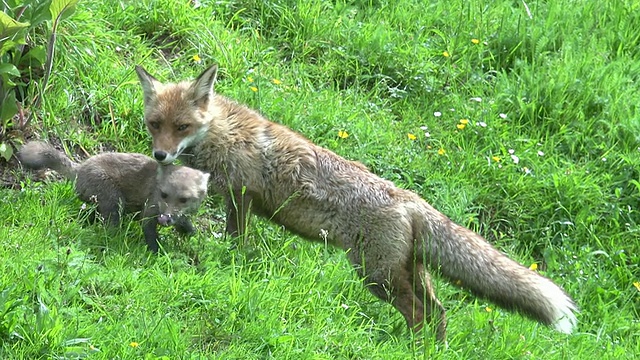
[(203, 86), (149, 84)]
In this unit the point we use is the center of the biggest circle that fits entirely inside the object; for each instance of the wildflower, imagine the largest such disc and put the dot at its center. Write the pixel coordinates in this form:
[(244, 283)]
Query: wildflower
[(464, 121), (503, 116), (475, 41), (345, 306), (134, 344), (515, 159), (533, 267), (511, 151), (637, 285), (461, 126), (411, 136), (476, 99), (276, 81), (250, 79), (445, 54), (424, 128), (488, 309), (197, 59), (441, 151), (481, 124), (254, 89), (427, 134), (496, 158), (437, 114), (540, 153), (526, 170), (343, 134), (93, 348)]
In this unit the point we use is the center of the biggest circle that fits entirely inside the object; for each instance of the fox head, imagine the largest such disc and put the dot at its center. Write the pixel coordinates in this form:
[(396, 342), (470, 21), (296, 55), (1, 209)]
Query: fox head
[(181, 190), (176, 114)]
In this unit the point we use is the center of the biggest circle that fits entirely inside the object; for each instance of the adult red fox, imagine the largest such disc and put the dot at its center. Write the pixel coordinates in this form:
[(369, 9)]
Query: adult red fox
[(391, 235), (129, 183)]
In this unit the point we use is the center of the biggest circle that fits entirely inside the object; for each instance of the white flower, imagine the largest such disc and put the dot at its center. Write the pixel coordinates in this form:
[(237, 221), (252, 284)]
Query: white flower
[(481, 124), (515, 159), (437, 114), (540, 153), (476, 99), (503, 116), (511, 151)]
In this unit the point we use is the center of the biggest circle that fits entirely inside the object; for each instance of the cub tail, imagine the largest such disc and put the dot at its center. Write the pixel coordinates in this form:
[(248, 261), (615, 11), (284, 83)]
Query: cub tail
[(38, 155)]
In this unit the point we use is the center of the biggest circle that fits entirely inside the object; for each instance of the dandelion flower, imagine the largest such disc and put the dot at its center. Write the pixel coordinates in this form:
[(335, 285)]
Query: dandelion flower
[(197, 59), (461, 126), (250, 79), (464, 121), (488, 309), (343, 134), (254, 89), (134, 344), (411, 136), (637, 285), (496, 158), (276, 81), (475, 41), (445, 54), (441, 151), (533, 267)]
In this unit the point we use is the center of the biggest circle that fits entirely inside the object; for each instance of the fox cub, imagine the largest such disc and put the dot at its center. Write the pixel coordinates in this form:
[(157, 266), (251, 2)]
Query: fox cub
[(128, 183)]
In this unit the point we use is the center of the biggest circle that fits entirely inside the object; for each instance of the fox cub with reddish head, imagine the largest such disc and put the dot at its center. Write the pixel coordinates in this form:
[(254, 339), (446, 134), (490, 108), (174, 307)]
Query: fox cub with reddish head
[(392, 236), (128, 183)]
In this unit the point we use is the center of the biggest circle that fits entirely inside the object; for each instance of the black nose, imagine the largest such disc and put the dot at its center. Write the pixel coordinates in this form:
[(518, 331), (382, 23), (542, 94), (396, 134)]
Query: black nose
[(159, 155)]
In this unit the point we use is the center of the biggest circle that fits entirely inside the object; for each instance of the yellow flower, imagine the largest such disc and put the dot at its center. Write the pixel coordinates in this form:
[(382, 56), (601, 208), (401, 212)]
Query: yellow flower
[(134, 344), (445, 54), (249, 79), (197, 58), (475, 41), (533, 267), (343, 134), (411, 136), (461, 126), (637, 285), (496, 158), (276, 81), (254, 89), (428, 146), (464, 121), (488, 309), (441, 151)]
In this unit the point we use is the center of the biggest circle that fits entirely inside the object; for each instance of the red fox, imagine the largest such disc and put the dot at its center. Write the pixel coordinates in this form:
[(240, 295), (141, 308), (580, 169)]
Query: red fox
[(128, 183), (391, 235)]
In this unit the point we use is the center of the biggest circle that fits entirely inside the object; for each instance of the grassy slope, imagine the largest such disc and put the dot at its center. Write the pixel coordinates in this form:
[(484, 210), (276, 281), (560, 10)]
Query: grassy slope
[(563, 80)]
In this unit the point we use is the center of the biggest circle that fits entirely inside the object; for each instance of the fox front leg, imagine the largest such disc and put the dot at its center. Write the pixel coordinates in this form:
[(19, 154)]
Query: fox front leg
[(150, 230), (238, 206)]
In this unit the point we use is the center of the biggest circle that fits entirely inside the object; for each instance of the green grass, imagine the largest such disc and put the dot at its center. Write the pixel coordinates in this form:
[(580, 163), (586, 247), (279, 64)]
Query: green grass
[(557, 89)]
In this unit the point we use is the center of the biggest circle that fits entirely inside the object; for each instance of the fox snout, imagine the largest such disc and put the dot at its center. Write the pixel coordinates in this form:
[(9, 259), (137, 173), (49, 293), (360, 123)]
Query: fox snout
[(165, 219), (159, 155)]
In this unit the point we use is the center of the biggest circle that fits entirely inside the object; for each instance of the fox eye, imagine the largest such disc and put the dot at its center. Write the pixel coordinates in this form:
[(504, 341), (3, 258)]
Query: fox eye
[(163, 195), (183, 200), (183, 127), (154, 125)]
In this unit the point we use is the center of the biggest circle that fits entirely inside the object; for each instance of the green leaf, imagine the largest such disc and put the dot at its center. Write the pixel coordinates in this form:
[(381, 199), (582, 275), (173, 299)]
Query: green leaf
[(61, 9), (8, 26), (9, 69), (6, 151), (8, 108)]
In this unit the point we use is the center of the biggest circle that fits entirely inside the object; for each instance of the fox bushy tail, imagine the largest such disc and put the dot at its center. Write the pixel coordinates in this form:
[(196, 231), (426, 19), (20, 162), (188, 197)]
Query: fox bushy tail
[(39, 155), (468, 259)]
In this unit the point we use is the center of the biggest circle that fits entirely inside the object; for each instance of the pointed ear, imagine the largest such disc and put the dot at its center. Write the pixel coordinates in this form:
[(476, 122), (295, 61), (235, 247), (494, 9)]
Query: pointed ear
[(150, 85), (203, 86)]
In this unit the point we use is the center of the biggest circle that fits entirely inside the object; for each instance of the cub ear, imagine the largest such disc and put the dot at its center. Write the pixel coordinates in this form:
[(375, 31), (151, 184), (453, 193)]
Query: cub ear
[(203, 85), (150, 85)]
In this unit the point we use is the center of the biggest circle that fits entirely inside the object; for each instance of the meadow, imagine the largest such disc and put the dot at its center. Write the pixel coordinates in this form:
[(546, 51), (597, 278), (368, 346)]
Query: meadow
[(517, 119)]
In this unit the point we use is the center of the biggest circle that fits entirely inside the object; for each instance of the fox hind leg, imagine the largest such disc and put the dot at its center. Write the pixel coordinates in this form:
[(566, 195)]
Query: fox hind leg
[(423, 287)]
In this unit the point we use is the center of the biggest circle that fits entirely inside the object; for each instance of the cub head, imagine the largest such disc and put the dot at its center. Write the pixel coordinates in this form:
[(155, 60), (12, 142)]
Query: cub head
[(176, 114), (181, 190)]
